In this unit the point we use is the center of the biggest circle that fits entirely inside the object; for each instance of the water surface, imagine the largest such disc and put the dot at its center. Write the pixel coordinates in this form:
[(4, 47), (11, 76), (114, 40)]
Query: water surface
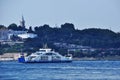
[(77, 70)]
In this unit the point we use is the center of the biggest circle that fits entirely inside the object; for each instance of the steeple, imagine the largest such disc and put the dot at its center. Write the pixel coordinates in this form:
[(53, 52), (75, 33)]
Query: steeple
[(23, 19), (22, 22)]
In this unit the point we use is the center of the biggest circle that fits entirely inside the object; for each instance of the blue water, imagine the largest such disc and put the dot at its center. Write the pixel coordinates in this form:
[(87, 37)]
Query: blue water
[(77, 70)]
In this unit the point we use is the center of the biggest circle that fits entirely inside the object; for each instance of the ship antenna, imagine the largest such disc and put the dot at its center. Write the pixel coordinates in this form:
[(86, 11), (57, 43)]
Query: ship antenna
[(68, 51), (45, 45)]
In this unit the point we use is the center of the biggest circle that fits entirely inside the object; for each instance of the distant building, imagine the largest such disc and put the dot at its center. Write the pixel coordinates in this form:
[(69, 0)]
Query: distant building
[(4, 34), (74, 47), (15, 33), (10, 56), (27, 35)]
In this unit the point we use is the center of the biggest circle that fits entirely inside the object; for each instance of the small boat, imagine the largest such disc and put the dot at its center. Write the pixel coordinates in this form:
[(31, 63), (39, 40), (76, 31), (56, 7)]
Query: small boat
[(45, 55)]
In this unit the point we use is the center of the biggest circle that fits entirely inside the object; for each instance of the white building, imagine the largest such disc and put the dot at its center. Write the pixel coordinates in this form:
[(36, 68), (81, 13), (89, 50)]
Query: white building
[(27, 35), (4, 34)]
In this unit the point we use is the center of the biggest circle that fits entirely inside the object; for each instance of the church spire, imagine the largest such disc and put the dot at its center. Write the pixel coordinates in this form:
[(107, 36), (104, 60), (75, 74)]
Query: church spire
[(22, 22), (23, 19)]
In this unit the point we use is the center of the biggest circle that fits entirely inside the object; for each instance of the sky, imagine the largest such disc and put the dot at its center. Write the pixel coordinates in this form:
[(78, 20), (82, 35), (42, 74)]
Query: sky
[(82, 13)]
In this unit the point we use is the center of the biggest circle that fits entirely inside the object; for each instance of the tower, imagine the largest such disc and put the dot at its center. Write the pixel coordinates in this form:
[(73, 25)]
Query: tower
[(22, 22)]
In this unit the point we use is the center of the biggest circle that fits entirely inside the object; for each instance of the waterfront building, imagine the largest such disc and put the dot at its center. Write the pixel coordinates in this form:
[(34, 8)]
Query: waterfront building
[(10, 56)]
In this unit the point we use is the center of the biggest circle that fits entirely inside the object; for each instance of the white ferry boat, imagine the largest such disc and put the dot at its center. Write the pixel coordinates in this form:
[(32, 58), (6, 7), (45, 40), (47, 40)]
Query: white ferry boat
[(45, 55)]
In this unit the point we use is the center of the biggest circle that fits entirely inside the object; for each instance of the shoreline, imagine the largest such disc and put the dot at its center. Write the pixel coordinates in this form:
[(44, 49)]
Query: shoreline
[(15, 56), (110, 58), (77, 59)]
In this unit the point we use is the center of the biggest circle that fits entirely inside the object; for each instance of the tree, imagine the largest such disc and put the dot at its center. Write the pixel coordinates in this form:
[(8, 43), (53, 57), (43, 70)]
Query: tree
[(20, 28), (68, 26), (30, 30), (2, 26), (46, 26), (36, 28), (13, 26)]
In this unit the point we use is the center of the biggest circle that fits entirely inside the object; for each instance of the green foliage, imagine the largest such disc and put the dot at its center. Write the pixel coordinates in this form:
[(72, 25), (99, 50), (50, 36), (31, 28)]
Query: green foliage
[(2, 27), (14, 26), (5, 48), (67, 27), (102, 39), (94, 37), (30, 30)]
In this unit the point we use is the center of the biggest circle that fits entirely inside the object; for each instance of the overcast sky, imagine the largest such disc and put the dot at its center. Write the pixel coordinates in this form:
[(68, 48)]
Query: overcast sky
[(82, 13)]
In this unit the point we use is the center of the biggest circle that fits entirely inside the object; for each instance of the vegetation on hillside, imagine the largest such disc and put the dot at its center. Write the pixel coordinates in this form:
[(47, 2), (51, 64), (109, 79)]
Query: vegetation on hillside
[(94, 37)]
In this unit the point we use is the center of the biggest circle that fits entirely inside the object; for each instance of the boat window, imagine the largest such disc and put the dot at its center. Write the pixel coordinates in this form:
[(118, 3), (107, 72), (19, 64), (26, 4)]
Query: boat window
[(38, 53), (42, 50), (56, 58), (44, 57), (50, 54)]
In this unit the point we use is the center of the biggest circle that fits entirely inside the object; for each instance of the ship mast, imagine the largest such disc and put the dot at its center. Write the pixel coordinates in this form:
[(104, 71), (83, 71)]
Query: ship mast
[(45, 45)]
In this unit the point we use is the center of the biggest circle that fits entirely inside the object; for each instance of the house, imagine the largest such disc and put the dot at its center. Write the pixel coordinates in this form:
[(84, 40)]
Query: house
[(4, 34), (27, 35), (10, 56)]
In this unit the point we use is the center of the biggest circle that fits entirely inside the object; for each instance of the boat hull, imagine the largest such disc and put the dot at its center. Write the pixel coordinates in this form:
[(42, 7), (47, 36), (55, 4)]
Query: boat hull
[(22, 60)]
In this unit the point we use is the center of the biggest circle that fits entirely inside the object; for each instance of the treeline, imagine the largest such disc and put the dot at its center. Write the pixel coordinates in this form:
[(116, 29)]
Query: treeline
[(94, 37), (66, 33)]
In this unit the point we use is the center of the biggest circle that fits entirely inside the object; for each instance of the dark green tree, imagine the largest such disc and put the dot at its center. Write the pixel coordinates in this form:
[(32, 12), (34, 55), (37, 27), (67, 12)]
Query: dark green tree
[(2, 26), (30, 30), (68, 26), (13, 26)]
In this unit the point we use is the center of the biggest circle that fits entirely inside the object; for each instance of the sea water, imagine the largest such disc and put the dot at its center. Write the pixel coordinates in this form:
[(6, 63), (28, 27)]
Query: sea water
[(77, 70)]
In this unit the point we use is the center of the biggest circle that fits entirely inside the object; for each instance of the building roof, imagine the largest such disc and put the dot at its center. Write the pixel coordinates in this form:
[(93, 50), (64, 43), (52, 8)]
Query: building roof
[(27, 35)]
